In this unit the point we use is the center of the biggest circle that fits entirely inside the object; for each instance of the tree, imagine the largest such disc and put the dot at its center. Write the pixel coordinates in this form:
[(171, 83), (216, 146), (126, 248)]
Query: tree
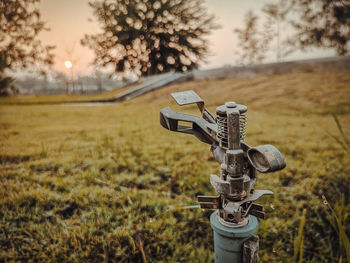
[(20, 25), (276, 16), (150, 37), (322, 23), (253, 43)]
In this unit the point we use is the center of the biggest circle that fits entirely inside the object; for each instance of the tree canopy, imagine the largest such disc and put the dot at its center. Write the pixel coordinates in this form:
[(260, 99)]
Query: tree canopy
[(305, 24), (150, 37), (20, 25), (252, 42), (322, 23)]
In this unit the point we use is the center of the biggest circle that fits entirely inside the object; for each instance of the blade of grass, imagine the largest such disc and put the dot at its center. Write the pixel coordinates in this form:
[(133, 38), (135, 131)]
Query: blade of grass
[(301, 252), (340, 128), (299, 241)]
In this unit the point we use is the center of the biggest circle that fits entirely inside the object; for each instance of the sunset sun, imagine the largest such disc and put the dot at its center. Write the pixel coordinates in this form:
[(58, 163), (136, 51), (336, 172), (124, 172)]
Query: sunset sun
[(68, 64)]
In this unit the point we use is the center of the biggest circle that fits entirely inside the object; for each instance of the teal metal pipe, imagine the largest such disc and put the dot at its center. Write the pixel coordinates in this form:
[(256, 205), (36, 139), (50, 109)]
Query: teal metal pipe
[(228, 241)]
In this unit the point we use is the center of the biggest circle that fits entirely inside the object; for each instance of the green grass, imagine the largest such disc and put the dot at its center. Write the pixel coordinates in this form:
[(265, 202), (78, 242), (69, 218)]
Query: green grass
[(108, 183)]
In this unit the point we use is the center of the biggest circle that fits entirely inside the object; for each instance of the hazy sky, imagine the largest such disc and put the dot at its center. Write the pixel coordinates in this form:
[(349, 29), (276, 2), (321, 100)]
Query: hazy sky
[(68, 21)]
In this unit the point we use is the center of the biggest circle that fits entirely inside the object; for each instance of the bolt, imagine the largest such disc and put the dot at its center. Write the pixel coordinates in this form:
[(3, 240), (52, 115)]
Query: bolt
[(231, 104)]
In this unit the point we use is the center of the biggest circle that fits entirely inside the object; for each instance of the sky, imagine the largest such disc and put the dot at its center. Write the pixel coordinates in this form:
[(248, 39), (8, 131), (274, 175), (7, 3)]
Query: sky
[(68, 21)]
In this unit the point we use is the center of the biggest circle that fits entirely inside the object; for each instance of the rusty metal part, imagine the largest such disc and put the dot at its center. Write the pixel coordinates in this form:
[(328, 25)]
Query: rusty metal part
[(199, 127), (239, 161), (251, 249), (212, 202), (266, 158), (190, 97)]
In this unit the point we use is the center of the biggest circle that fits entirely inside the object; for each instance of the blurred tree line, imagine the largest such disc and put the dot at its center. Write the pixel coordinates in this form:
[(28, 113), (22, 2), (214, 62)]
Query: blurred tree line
[(314, 23), (151, 37)]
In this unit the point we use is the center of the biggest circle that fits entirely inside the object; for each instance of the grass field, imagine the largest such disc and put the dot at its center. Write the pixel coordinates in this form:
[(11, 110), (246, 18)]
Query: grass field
[(109, 184), (64, 98)]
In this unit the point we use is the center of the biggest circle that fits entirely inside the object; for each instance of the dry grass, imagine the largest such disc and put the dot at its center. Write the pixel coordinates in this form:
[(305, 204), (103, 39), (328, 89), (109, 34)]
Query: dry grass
[(59, 99), (100, 183)]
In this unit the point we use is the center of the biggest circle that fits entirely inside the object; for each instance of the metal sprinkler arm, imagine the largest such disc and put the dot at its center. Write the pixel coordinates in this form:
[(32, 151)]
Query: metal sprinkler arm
[(200, 127)]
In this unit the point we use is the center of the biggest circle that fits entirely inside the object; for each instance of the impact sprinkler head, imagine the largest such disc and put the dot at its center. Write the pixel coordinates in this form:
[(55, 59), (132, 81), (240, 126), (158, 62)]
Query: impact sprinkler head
[(239, 161)]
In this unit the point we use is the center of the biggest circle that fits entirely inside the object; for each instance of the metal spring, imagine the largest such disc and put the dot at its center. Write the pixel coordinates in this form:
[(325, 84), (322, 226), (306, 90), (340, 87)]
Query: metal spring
[(242, 126), (221, 121), (222, 133)]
